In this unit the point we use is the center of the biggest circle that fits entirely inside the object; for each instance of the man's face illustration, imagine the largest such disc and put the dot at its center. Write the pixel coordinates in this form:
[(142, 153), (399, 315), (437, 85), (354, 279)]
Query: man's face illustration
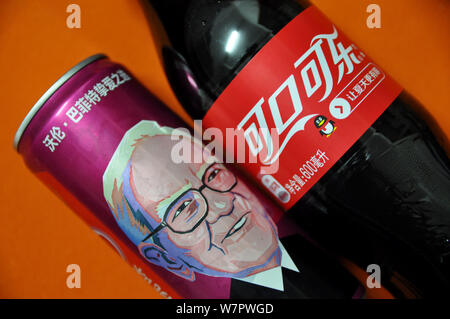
[(208, 211)]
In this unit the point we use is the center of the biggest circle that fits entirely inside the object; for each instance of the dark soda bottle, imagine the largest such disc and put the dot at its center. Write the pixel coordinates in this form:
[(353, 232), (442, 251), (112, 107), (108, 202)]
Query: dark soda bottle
[(385, 201)]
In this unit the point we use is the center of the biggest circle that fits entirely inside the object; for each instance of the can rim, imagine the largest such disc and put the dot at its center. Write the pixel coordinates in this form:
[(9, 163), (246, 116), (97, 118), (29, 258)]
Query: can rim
[(44, 98)]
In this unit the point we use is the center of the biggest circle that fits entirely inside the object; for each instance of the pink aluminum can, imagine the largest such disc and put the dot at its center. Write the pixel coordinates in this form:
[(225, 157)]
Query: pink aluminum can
[(103, 142), (69, 136)]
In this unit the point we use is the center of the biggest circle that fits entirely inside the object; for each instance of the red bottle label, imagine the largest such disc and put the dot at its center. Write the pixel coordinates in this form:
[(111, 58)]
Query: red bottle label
[(303, 100)]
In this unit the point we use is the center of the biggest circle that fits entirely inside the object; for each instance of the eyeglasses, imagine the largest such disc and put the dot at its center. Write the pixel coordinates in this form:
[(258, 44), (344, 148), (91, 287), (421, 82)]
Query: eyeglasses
[(190, 209)]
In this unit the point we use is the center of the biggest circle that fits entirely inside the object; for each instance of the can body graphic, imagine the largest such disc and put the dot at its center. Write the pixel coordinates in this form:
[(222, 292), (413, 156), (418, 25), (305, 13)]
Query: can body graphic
[(70, 135)]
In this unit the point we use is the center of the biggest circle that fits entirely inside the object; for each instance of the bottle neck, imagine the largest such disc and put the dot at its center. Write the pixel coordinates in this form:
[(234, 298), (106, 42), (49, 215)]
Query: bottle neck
[(217, 39), (172, 15)]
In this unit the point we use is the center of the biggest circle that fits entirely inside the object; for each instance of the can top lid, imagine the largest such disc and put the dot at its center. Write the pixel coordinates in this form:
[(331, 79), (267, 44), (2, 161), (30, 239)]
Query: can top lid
[(44, 98)]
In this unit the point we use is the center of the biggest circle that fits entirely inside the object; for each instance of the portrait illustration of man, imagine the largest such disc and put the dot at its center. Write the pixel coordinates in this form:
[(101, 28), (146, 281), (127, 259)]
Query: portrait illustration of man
[(187, 217)]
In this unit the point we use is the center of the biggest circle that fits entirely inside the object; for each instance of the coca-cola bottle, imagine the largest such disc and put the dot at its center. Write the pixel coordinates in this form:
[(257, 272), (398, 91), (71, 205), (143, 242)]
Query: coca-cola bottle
[(385, 200)]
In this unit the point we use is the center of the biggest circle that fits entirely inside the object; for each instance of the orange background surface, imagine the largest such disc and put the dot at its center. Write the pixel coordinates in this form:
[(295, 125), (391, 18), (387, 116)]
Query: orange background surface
[(39, 235)]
